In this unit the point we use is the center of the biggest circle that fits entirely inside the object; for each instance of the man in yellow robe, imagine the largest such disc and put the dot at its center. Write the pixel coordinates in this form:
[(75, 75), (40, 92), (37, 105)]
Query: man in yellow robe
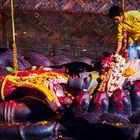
[(130, 21)]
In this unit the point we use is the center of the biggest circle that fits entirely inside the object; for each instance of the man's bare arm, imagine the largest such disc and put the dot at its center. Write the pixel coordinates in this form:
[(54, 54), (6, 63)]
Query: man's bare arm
[(119, 46)]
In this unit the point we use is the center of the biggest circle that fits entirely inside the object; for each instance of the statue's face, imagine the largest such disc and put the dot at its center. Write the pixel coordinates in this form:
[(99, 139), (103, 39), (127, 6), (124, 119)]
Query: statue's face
[(119, 19)]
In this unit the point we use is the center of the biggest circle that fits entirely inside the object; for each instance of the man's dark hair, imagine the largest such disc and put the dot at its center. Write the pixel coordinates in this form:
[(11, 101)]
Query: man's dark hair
[(115, 11)]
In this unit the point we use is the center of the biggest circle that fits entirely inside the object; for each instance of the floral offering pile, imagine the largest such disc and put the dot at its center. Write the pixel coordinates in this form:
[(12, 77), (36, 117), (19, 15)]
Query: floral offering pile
[(47, 82)]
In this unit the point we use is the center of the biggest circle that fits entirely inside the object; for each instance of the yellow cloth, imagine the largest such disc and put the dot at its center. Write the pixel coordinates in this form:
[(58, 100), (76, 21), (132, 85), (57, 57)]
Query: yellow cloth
[(132, 25)]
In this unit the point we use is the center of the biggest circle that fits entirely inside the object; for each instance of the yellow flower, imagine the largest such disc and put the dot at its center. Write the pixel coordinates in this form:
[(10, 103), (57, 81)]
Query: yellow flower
[(102, 77), (128, 72)]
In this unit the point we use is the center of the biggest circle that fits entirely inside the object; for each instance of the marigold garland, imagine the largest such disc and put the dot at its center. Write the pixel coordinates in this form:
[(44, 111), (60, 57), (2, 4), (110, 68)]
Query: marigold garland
[(104, 81), (15, 59), (34, 80)]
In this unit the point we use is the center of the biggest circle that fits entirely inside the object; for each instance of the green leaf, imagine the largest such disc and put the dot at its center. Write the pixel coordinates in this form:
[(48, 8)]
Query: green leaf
[(9, 69)]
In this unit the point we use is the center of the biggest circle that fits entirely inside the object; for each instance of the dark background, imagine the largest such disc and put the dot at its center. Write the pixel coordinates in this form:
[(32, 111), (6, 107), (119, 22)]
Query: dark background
[(75, 28)]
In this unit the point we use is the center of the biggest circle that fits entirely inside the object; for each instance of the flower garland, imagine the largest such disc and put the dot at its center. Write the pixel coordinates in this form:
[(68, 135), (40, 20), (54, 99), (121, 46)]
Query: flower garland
[(106, 72), (41, 82), (116, 75), (15, 59), (104, 79)]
